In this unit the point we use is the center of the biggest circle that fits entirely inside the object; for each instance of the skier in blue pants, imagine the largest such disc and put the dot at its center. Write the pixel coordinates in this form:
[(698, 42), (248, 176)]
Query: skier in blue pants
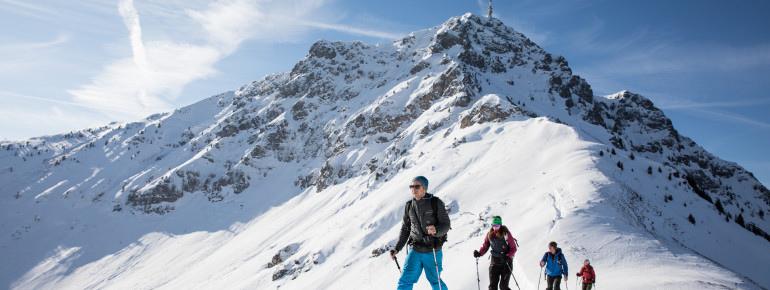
[(425, 226)]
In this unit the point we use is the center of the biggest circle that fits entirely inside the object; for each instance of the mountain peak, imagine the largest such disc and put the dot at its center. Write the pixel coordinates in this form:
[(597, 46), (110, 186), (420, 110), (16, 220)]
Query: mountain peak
[(498, 124)]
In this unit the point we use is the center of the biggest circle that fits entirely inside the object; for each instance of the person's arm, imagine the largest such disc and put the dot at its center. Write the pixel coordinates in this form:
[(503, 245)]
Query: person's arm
[(564, 264), (485, 246), (443, 219), (511, 245), (406, 223)]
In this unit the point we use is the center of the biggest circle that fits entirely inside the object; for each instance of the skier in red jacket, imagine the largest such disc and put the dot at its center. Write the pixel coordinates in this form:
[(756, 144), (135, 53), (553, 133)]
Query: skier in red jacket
[(588, 274)]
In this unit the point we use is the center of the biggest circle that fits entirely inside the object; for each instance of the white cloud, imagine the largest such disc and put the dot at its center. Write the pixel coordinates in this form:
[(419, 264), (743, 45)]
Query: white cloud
[(354, 30), (725, 116), (21, 56), (190, 46), (131, 20)]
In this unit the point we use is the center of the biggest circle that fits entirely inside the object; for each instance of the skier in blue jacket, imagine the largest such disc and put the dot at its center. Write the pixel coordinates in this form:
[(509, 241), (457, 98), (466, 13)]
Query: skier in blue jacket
[(555, 266)]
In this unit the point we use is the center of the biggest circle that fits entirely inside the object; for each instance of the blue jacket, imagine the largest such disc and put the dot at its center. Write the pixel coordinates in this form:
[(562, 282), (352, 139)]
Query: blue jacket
[(552, 265)]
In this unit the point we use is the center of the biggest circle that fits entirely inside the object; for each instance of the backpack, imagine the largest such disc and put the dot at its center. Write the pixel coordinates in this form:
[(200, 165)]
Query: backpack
[(507, 245)]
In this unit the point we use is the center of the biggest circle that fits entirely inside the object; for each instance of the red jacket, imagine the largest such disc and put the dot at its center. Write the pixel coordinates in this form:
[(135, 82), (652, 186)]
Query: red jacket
[(589, 276)]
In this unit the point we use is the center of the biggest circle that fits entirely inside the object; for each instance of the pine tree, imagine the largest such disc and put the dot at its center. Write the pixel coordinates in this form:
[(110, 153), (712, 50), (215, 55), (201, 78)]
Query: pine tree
[(691, 219), (649, 170)]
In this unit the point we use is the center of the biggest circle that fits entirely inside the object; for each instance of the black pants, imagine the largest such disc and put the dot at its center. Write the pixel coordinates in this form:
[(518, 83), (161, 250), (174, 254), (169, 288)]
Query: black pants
[(553, 283), (587, 286), (500, 273)]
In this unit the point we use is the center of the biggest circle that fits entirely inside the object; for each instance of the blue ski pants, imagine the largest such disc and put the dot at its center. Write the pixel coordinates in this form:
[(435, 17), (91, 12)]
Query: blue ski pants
[(417, 262)]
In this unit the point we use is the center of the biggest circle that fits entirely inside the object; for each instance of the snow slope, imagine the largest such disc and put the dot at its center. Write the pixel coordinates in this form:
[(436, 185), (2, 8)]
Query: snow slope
[(299, 180)]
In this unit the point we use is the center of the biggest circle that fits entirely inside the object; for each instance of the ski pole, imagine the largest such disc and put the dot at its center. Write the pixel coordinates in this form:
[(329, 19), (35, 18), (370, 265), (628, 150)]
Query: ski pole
[(566, 285), (564, 273), (396, 259), (435, 261), (538, 278), (514, 276), (478, 278)]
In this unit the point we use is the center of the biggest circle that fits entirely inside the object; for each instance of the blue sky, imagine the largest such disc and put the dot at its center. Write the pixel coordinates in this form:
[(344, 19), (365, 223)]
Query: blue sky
[(67, 65)]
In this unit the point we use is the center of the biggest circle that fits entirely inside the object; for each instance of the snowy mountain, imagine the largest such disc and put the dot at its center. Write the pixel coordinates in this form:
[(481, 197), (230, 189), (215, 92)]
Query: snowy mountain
[(298, 180)]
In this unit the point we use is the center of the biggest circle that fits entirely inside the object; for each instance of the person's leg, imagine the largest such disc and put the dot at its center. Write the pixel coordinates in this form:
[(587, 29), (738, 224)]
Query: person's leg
[(494, 276), (557, 282), (412, 271), (505, 276), (430, 268), (587, 286), (549, 282)]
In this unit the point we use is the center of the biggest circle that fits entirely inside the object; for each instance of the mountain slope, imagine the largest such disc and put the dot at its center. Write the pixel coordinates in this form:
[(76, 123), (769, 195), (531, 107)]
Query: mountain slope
[(298, 179)]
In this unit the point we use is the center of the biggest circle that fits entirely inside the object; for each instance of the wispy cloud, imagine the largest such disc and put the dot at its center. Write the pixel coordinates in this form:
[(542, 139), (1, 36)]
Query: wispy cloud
[(5, 94), (720, 115), (15, 57), (353, 30), (26, 8), (27, 46), (131, 20), (160, 67), (703, 105), (681, 59)]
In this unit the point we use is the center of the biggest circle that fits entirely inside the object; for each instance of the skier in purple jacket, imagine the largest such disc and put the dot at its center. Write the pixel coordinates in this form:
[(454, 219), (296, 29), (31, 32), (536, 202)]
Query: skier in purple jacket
[(503, 246)]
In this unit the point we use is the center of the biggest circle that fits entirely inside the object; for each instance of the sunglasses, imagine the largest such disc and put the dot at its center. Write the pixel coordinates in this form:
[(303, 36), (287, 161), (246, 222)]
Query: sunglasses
[(495, 225), (414, 186)]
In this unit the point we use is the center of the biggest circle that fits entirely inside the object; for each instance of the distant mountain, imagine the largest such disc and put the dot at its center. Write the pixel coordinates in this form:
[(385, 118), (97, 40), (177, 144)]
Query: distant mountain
[(298, 179)]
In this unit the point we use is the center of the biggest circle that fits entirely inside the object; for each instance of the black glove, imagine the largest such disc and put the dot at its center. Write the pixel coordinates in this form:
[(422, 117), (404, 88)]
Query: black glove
[(476, 253)]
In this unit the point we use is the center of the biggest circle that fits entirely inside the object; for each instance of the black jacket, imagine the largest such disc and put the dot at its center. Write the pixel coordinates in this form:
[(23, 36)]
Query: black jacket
[(417, 216)]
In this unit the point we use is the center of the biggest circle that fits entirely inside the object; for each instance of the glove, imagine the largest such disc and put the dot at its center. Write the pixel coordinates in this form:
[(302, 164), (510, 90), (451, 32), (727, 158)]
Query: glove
[(476, 253), (578, 274), (542, 263)]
